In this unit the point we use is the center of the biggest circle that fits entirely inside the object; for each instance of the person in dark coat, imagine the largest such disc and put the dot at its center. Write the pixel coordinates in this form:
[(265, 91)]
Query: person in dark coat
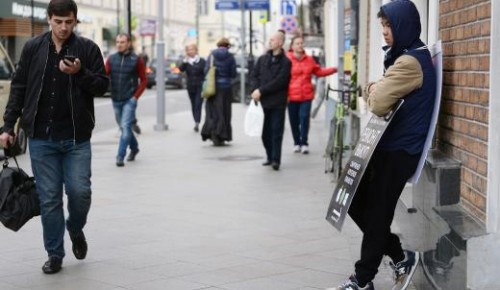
[(269, 85), (217, 126), (194, 67)]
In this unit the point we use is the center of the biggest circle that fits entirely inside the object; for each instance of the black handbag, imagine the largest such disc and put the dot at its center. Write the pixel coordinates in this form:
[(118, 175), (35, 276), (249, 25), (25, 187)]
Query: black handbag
[(18, 198)]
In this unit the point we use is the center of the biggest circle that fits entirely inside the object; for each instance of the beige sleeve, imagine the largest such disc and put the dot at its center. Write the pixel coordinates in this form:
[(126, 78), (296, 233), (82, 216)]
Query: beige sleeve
[(403, 77)]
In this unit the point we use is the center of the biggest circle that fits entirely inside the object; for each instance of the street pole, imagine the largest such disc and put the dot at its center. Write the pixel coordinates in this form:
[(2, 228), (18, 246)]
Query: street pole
[(198, 8), (32, 18), (118, 17), (340, 43), (160, 73), (250, 55), (129, 18), (243, 50)]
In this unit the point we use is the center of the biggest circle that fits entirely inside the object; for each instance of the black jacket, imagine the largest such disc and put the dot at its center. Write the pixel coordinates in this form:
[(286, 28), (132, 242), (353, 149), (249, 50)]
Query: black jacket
[(27, 83), (195, 72), (271, 75)]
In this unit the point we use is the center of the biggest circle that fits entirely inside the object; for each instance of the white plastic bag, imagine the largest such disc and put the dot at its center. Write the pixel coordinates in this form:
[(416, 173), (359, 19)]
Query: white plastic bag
[(254, 119)]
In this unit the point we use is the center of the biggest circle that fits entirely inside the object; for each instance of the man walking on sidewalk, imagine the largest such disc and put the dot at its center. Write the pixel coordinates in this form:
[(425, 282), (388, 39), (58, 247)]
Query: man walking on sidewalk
[(409, 75), (269, 85), (128, 82), (57, 77)]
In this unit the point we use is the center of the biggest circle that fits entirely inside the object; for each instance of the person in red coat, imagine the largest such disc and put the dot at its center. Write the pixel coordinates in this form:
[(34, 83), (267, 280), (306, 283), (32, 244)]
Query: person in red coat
[(301, 92)]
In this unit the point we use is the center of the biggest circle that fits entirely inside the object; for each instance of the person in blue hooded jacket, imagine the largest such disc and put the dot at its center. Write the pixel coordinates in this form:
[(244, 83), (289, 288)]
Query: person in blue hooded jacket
[(217, 126), (409, 75)]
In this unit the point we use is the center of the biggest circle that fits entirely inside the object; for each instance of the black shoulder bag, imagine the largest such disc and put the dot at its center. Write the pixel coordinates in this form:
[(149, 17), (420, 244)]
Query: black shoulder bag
[(18, 198)]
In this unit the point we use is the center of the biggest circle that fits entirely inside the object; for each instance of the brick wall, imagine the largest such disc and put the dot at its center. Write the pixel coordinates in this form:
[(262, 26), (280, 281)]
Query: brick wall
[(463, 125)]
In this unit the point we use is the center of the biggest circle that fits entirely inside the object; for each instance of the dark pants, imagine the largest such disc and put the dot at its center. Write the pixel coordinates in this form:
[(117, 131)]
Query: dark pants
[(272, 133), (217, 126), (194, 93), (299, 115), (373, 207)]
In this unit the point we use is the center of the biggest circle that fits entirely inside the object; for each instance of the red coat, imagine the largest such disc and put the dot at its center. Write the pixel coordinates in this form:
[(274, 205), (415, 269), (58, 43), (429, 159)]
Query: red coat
[(301, 88)]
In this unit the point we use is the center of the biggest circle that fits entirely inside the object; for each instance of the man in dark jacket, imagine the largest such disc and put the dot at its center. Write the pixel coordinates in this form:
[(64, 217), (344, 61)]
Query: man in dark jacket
[(194, 67), (128, 82), (269, 82), (409, 75), (54, 93)]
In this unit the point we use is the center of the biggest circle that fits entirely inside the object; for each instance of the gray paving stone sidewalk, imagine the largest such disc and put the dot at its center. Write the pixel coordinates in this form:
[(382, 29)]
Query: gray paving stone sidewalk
[(186, 215)]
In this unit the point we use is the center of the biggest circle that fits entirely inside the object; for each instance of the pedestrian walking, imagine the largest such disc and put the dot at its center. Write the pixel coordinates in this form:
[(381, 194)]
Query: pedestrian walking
[(58, 75), (128, 81), (301, 92), (409, 75), (217, 126), (270, 78), (194, 67)]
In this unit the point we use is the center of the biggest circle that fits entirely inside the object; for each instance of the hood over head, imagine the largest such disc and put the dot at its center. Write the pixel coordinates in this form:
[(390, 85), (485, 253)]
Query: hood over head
[(405, 25)]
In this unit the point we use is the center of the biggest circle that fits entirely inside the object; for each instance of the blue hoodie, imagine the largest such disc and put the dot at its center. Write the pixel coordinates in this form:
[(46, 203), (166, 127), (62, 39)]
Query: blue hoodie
[(408, 129)]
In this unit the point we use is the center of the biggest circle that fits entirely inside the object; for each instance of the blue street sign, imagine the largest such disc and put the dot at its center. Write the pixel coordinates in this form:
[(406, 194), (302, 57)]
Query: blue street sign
[(288, 7), (227, 4), (248, 4), (256, 4)]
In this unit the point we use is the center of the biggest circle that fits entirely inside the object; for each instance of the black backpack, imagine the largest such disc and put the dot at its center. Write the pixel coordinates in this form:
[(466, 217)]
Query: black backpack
[(18, 198)]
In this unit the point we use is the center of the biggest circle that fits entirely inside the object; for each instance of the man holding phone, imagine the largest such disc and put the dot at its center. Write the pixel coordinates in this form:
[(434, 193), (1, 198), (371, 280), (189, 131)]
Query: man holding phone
[(53, 88), (128, 82)]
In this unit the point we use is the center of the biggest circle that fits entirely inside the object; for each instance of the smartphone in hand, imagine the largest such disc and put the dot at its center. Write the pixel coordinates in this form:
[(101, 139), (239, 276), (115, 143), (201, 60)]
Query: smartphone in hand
[(70, 58)]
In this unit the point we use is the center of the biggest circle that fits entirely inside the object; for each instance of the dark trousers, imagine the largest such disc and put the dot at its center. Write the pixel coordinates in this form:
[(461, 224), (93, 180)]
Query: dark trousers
[(299, 114), (373, 207), (272, 133), (194, 93), (218, 111)]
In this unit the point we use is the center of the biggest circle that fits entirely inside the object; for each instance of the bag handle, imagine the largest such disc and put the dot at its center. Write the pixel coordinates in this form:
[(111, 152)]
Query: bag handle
[(5, 164), (7, 154)]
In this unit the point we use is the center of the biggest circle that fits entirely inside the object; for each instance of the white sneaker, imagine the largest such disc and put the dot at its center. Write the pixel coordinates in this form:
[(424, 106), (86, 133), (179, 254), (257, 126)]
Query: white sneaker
[(296, 149), (304, 149)]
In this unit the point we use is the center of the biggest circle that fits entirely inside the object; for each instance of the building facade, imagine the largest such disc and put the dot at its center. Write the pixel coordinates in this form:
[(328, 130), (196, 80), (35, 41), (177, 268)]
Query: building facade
[(101, 20)]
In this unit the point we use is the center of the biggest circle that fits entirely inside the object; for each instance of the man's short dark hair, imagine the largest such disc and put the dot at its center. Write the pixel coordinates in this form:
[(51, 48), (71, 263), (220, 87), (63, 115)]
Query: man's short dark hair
[(123, 34), (62, 8)]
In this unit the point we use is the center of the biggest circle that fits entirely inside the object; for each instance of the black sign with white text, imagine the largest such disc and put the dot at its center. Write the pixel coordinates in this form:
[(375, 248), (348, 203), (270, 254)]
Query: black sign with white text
[(355, 167)]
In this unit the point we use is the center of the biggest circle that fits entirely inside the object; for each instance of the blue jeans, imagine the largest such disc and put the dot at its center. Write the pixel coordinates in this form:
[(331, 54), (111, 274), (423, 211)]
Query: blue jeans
[(272, 133), (54, 164), (299, 115), (125, 116)]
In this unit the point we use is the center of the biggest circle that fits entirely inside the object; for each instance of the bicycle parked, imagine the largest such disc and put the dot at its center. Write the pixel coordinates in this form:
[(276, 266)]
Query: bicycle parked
[(335, 147)]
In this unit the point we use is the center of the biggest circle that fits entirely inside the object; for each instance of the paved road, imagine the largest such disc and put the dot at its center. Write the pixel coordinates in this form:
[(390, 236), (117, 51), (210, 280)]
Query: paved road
[(175, 101)]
